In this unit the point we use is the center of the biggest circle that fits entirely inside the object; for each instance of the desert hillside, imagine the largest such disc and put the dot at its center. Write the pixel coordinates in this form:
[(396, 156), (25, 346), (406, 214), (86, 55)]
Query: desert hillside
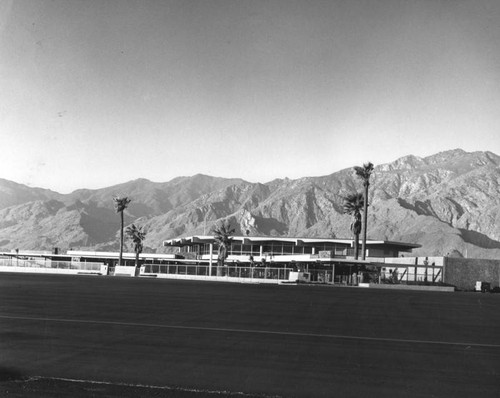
[(449, 203)]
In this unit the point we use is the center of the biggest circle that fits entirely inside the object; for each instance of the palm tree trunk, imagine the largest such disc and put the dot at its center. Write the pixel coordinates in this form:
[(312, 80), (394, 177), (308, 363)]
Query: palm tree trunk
[(137, 258), (121, 240), (356, 247), (365, 221), (220, 264)]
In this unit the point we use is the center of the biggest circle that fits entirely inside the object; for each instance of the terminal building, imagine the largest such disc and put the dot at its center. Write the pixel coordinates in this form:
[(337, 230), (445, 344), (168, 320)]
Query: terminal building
[(324, 260), (286, 249), (268, 260)]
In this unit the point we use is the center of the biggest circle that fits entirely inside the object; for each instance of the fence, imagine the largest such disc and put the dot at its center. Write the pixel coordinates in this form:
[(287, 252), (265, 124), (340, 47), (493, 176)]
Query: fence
[(319, 276), (47, 265), (203, 270)]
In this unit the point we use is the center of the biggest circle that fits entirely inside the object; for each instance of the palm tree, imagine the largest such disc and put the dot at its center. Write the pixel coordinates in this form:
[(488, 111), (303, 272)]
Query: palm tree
[(353, 204), (364, 173), (137, 235), (223, 239), (121, 204)]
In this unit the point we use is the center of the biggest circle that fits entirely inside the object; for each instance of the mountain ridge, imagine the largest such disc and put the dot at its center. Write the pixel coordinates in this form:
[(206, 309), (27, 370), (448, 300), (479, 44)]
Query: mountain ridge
[(448, 202)]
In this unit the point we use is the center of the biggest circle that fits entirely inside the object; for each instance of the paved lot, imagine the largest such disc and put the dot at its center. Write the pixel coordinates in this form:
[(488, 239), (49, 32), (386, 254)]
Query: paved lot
[(191, 339)]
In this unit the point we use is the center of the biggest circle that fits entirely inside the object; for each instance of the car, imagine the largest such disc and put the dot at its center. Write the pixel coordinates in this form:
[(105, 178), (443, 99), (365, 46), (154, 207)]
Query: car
[(483, 287)]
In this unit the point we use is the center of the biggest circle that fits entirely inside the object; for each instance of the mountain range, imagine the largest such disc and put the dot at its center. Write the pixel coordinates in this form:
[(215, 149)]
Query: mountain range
[(448, 202)]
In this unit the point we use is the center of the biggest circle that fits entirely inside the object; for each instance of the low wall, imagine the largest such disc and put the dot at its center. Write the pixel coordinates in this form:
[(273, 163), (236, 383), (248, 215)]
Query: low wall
[(408, 287), (431, 261), (123, 270), (46, 270), (464, 272), (212, 278)]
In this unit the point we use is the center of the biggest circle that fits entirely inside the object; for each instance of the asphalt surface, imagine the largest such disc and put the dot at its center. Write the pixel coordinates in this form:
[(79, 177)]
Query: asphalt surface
[(110, 336)]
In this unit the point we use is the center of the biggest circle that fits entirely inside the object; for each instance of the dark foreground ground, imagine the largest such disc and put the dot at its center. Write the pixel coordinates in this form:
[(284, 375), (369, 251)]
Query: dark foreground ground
[(79, 336)]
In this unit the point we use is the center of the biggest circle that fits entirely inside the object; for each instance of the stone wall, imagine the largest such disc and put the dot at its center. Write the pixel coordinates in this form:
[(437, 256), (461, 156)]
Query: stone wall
[(464, 272)]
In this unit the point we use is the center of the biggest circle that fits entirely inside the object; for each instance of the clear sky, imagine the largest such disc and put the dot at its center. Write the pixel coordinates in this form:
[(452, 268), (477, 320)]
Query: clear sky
[(95, 93)]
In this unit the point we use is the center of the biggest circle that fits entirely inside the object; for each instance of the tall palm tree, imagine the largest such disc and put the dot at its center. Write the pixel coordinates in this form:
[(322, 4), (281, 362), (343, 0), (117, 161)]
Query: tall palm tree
[(365, 173), (137, 234), (222, 235), (353, 204), (121, 203)]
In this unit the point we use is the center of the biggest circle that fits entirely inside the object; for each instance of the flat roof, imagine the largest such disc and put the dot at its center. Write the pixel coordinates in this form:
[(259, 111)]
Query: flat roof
[(246, 240), (33, 253), (82, 253), (87, 254)]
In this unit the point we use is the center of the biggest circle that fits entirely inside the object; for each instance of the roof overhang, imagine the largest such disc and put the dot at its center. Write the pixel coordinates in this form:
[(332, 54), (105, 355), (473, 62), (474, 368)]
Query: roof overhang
[(248, 240)]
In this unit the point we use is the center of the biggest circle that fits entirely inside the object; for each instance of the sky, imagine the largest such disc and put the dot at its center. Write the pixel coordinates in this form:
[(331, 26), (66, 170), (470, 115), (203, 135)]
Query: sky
[(99, 92)]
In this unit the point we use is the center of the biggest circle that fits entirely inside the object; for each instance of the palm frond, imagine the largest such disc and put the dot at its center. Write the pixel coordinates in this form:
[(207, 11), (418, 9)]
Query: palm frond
[(137, 235), (121, 203), (365, 171), (222, 236), (353, 203)]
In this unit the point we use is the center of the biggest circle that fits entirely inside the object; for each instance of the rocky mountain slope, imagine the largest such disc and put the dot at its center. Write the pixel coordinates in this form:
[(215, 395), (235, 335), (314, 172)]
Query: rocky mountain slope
[(449, 203)]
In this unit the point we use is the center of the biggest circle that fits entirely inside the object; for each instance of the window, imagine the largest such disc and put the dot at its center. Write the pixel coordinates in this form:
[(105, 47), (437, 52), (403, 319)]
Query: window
[(246, 250), (307, 250), (287, 248), (340, 250), (236, 249)]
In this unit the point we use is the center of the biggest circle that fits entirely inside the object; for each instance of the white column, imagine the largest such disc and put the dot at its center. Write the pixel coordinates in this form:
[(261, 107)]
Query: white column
[(210, 259)]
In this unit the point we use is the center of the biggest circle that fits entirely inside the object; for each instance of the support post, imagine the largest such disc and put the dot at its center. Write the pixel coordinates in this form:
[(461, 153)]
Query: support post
[(210, 259)]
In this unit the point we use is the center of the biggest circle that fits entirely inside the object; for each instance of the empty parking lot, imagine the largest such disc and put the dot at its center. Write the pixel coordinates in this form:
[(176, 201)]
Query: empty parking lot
[(289, 341)]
